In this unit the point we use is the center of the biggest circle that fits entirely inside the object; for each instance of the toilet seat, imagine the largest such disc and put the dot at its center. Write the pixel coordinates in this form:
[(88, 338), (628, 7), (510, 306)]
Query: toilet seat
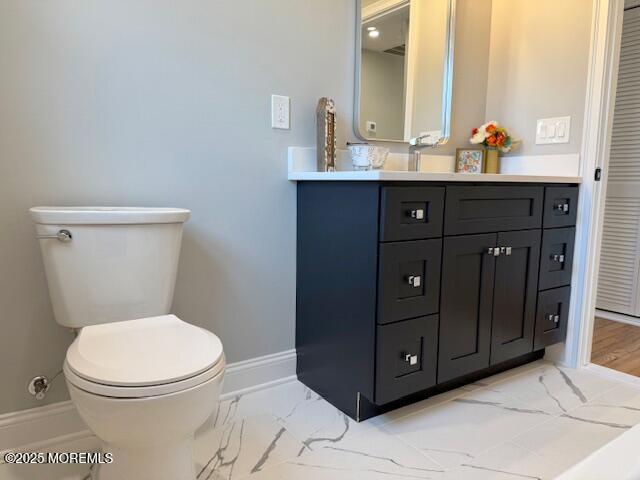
[(143, 357)]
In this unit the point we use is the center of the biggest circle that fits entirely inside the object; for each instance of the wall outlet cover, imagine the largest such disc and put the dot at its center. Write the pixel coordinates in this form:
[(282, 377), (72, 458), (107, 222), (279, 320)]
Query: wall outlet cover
[(551, 131), (280, 117)]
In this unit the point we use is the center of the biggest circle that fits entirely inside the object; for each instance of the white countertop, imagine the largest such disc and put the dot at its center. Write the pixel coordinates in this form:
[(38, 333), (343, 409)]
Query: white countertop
[(404, 176)]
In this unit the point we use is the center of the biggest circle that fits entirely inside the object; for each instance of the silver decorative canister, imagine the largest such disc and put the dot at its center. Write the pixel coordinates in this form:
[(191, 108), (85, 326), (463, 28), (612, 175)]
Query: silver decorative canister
[(326, 130)]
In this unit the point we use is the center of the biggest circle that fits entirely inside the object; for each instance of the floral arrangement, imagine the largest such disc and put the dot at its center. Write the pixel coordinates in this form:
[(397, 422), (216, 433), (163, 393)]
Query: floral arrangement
[(493, 136)]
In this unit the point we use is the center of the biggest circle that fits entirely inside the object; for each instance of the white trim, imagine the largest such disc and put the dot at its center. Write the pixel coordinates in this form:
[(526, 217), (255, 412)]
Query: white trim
[(618, 317), (260, 371), (39, 428), (615, 375), (596, 139), (381, 7)]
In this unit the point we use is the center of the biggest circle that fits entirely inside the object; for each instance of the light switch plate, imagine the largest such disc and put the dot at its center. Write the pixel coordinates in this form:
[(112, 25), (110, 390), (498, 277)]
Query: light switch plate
[(553, 130), (280, 117)]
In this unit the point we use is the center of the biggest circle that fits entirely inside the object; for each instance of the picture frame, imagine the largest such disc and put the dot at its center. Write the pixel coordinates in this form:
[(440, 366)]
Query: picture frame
[(470, 160)]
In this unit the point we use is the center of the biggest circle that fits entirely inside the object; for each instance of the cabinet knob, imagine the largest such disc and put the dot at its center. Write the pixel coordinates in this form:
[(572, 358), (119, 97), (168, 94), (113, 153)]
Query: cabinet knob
[(414, 280), (505, 251), (495, 251), (418, 213), (557, 258), (411, 359), (562, 207), (552, 317)]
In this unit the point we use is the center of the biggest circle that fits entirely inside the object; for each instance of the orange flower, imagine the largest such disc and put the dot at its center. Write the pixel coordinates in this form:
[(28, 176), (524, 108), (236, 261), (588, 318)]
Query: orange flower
[(491, 128), (491, 140)]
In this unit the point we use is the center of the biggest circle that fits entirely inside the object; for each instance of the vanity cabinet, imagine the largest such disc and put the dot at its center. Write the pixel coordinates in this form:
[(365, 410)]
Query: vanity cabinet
[(408, 289)]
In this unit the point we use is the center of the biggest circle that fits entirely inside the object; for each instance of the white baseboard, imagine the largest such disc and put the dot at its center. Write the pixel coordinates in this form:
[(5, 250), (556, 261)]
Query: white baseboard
[(39, 428), (618, 317)]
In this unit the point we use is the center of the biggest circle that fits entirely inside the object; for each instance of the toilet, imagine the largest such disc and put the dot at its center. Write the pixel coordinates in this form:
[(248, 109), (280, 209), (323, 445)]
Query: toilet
[(143, 380)]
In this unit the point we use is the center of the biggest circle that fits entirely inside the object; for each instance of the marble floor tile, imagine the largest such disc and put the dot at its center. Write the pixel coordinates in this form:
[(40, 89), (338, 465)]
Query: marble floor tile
[(512, 373), (306, 415), (505, 462), (375, 456), (246, 446), (421, 405), (44, 472), (54, 472), (278, 401), (463, 428), (555, 390), (569, 438), (531, 423)]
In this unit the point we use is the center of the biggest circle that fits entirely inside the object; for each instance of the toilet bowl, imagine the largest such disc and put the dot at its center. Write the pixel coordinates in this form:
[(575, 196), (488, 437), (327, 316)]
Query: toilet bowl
[(143, 387), (142, 380)]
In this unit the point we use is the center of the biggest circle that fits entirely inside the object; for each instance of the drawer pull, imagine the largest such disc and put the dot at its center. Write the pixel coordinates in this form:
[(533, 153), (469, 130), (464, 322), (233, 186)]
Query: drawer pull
[(495, 251), (557, 258), (553, 318), (414, 280), (411, 359), (418, 214), (563, 207)]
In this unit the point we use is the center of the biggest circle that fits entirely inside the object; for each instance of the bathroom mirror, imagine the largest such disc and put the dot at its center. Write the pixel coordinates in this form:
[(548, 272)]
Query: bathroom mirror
[(404, 70)]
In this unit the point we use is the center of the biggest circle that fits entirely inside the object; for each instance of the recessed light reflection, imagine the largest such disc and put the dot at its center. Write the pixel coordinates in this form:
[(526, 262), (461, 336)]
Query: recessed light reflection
[(374, 33), (371, 28)]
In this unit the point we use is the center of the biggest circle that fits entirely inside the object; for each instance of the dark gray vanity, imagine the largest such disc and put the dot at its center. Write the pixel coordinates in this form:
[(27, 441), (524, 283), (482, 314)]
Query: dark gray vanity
[(406, 289)]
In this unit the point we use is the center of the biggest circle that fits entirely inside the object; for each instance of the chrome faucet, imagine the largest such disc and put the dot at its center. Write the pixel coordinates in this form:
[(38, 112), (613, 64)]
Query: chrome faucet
[(415, 146)]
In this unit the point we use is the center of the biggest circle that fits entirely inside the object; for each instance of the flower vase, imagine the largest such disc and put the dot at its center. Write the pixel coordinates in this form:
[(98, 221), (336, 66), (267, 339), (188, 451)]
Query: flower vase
[(492, 161)]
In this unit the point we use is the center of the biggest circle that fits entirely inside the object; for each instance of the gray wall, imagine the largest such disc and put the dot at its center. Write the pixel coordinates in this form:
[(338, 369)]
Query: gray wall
[(382, 94), (158, 102), (538, 68)]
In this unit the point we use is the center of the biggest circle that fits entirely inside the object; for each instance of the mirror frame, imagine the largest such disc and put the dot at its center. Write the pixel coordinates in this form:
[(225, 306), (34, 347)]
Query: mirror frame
[(447, 90)]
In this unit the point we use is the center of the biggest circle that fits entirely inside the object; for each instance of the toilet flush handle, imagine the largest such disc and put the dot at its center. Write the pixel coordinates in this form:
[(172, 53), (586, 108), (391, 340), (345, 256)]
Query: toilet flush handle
[(63, 236)]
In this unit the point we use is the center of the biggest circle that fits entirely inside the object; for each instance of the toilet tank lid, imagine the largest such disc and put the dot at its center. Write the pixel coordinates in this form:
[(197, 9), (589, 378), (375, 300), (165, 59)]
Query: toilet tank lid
[(107, 215)]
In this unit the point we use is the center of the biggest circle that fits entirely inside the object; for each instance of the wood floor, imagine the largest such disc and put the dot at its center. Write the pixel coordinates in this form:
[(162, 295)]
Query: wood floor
[(616, 345)]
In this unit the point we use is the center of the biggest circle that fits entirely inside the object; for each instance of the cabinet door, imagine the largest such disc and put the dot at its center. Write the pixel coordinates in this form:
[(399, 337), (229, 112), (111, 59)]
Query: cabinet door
[(466, 303), (552, 317), (556, 259), (514, 295), (411, 213), (480, 209), (408, 279), (406, 358)]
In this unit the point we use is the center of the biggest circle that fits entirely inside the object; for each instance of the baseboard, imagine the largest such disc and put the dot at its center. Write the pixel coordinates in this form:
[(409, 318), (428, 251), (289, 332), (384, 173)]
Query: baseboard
[(257, 372), (618, 317), (37, 429)]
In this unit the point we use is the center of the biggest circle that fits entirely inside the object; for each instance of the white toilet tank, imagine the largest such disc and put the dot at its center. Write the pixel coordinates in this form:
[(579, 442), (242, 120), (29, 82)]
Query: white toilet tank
[(108, 264)]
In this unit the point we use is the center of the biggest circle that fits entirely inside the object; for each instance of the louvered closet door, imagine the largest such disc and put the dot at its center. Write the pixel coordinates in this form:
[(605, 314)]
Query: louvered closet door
[(619, 283)]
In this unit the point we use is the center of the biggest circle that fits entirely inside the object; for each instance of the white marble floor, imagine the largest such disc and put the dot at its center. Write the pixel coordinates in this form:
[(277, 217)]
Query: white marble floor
[(533, 422)]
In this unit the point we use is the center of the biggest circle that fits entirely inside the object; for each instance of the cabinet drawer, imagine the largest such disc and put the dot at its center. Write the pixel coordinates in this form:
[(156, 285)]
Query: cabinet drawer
[(556, 257), (560, 207), (406, 360), (492, 209), (408, 279), (411, 213), (552, 317)]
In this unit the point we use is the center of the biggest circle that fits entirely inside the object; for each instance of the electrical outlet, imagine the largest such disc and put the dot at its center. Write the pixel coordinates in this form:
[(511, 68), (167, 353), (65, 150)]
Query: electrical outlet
[(280, 112)]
